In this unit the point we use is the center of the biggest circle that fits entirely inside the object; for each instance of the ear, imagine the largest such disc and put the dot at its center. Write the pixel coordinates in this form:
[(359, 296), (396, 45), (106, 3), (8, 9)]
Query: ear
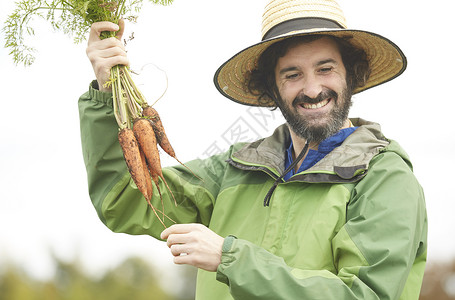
[(271, 95)]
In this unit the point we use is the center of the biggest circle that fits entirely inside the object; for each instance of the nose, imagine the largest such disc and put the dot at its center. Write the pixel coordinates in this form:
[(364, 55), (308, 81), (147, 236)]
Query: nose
[(311, 86)]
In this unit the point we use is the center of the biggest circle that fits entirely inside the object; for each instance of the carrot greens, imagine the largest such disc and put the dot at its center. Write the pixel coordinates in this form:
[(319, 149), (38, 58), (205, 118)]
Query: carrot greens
[(74, 18)]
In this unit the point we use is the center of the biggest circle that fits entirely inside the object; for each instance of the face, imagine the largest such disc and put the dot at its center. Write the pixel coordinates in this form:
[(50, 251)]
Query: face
[(311, 81)]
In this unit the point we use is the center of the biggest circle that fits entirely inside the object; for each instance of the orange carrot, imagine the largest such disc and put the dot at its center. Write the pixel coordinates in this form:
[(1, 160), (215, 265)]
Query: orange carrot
[(145, 135), (135, 161), (150, 191), (155, 178), (160, 134), (148, 178)]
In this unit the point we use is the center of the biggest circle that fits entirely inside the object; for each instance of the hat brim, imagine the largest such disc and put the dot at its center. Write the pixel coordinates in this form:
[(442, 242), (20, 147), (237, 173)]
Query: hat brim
[(386, 59)]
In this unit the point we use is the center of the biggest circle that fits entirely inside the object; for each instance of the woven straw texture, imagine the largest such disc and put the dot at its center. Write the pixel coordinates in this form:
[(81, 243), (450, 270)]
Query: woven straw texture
[(386, 59), (277, 12)]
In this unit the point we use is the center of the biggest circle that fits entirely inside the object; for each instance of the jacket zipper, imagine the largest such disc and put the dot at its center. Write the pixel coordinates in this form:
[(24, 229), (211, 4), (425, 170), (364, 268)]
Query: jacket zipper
[(252, 168)]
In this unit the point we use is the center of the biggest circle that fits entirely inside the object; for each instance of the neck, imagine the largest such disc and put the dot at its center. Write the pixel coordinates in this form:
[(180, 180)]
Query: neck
[(299, 143)]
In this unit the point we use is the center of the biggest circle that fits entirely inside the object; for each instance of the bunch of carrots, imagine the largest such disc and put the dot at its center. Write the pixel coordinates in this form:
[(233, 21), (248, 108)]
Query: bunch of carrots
[(140, 126), (139, 145)]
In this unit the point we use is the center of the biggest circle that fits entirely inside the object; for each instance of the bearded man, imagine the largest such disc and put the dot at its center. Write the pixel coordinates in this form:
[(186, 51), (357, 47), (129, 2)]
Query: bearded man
[(325, 208)]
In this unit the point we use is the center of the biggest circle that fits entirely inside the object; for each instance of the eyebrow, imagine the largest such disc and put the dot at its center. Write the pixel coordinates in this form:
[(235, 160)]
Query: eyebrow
[(326, 61), (288, 69)]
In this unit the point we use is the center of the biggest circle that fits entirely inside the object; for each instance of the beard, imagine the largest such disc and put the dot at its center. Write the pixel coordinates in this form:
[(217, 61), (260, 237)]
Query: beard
[(315, 128)]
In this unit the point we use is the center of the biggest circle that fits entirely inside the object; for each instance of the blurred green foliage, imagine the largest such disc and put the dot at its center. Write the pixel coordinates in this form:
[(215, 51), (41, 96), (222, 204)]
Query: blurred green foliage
[(136, 279), (132, 279)]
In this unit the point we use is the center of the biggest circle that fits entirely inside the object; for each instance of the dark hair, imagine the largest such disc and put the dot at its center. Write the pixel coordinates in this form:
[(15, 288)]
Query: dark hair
[(261, 81)]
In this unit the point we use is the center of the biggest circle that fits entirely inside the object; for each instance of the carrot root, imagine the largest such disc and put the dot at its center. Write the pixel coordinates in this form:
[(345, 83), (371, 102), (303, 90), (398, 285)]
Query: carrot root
[(156, 214), (132, 156), (166, 216), (136, 162), (140, 148), (148, 178), (169, 189), (189, 169), (161, 136)]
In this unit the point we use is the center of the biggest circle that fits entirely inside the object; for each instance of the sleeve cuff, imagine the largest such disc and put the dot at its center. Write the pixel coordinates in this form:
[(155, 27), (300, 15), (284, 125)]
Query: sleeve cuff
[(98, 96), (226, 258)]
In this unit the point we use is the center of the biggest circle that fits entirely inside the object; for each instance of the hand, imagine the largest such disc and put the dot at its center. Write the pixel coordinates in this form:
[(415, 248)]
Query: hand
[(106, 53), (200, 246)]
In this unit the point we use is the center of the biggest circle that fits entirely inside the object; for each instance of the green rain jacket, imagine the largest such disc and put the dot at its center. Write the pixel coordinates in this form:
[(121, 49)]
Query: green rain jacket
[(351, 227)]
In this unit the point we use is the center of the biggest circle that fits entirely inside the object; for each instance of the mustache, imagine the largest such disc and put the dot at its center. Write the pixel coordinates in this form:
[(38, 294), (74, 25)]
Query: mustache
[(302, 98)]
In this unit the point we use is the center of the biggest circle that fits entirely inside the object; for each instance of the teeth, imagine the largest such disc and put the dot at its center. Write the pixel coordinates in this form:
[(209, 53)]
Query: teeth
[(316, 105)]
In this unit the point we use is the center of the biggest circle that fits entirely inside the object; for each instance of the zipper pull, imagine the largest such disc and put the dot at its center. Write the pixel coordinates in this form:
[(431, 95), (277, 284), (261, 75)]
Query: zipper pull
[(280, 179)]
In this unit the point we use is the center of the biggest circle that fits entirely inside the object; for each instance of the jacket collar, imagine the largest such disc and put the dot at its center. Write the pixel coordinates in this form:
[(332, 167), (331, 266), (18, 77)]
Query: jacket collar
[(346, 163)]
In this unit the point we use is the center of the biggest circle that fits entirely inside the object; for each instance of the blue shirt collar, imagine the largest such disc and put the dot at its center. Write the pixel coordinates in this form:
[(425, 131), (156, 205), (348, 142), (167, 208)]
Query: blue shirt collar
[(313, 156)]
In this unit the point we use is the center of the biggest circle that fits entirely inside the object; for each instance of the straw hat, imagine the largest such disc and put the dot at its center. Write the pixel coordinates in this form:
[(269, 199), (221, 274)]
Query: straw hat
[(286, 18)]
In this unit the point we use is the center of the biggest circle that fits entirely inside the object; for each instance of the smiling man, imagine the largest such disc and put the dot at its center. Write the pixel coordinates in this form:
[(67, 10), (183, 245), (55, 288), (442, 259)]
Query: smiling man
[(325, 208), (312, 90)]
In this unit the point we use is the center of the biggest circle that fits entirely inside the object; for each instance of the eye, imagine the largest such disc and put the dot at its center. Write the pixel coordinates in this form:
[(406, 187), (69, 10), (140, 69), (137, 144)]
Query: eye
[(325, 69), (292, 76)]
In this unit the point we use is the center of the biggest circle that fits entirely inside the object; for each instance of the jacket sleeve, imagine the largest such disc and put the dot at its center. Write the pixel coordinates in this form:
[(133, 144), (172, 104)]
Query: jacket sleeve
[(380, 253), (118, 202)]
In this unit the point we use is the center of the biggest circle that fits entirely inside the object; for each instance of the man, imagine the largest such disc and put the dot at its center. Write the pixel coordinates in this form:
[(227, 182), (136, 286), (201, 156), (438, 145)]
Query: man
[(325, 208)]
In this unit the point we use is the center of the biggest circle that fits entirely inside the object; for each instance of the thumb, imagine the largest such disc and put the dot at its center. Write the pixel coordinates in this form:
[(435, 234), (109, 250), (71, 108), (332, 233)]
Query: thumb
[(121, 24), (99, 27)]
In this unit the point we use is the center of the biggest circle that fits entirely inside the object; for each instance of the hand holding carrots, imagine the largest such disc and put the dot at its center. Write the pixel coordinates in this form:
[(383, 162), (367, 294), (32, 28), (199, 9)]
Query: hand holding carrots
[(106, 53), (140, 126), (200, 246)]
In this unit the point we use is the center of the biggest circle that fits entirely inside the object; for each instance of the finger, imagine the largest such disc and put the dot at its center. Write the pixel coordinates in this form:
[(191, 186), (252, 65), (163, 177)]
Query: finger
[(99, 27), (107, 43), (107, 48), (114, 46), (184, 260), (178, 238), (179, 249), (177, 229), (121, 24), (106, 52)]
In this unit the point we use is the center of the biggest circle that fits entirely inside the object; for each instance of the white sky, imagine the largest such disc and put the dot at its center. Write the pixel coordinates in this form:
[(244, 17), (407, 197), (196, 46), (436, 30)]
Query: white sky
[(44, 203)]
